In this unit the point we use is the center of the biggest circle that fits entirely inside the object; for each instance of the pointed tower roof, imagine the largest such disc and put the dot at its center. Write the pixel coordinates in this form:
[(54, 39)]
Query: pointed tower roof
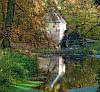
[(53, 17)]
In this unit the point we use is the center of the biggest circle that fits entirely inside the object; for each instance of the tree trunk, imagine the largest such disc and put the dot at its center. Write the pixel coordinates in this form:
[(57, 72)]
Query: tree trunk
[(8, 23)]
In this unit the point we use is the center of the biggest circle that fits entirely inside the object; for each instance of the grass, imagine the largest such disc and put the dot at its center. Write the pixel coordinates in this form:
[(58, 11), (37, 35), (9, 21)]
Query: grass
[(26, 87), (95, 46), (16, 67)]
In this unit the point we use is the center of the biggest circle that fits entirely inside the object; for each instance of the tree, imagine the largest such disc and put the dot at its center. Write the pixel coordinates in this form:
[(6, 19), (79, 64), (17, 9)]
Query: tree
[(8, 23), (81, 13)]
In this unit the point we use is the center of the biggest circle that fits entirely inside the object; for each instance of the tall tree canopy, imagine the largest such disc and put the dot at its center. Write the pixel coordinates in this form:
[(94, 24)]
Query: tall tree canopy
[(29, 24)]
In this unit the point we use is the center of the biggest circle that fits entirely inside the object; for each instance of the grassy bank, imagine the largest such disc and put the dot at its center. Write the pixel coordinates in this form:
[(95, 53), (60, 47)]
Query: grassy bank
[(15, 67)]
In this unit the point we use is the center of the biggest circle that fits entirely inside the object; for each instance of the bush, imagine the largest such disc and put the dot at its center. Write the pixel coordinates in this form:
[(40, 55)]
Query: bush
[(15, 67)]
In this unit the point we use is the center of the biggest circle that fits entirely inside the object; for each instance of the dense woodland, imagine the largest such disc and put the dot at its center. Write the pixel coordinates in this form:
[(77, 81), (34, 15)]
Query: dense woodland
[(26, 19), (23, 24)]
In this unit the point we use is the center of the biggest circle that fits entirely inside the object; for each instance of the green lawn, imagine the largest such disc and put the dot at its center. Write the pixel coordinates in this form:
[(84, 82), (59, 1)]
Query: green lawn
[(26, 87)]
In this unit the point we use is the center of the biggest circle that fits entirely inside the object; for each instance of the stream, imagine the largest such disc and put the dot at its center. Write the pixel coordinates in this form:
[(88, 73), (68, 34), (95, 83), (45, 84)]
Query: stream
[(84, 89)]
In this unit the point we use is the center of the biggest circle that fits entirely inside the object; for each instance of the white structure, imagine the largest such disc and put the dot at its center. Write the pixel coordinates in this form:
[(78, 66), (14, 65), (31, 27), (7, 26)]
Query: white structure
[(56, 28), (56, 25), (61, 71)]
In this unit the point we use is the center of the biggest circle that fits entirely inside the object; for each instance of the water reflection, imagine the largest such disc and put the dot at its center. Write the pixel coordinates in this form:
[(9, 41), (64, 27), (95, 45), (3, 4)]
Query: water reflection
[(84, 89)]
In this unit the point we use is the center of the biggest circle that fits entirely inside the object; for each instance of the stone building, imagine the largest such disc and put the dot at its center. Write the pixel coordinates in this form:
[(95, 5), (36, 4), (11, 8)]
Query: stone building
[(56, 25)]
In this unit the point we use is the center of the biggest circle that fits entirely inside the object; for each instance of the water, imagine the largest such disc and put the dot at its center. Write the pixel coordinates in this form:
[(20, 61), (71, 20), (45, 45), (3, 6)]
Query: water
[(84, 89), (97, 56)]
